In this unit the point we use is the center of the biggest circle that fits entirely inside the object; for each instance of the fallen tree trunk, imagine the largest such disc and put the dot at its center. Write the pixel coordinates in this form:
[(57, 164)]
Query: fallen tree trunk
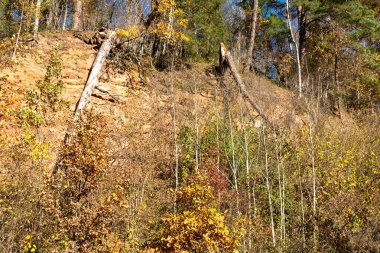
[(92, 81), (227, 60)]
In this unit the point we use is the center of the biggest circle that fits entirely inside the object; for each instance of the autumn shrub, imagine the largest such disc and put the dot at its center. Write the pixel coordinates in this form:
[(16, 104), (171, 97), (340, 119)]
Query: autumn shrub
[(6, 48), (348, 180), (24, 164), (31, 113), (50, 88), (24, 161), (186, 141), (197, 226), (214, 173), (81, 219)]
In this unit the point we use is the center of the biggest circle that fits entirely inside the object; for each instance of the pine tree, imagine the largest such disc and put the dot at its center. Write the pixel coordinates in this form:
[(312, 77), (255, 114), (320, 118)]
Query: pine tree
[(206, 26)]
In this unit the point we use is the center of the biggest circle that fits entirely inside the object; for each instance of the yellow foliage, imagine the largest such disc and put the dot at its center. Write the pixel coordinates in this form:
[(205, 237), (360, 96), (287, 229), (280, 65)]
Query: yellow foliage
[(128, 33), (28, 246), (40, 151), (172, 21), (199, 226), (168, 27)]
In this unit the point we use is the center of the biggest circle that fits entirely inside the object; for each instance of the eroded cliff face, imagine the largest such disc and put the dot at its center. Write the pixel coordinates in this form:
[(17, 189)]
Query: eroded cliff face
[(130, 93)]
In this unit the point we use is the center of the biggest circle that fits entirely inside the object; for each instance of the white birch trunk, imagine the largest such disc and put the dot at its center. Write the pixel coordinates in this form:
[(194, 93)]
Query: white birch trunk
[(302, 206), (196, 127), (269, 193), (314, 180), (176, 148), (247, 176), (234, 167), (280, 191)]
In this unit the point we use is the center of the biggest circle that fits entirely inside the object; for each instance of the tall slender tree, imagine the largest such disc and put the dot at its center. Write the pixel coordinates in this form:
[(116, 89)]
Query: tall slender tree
[(37, 18), (296, 45), (248, 64), (77, 15)]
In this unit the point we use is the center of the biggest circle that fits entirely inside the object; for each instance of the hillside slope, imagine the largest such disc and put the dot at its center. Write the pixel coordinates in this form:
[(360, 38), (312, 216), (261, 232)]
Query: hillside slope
[(332, 163), (77, 57), (140, 122)]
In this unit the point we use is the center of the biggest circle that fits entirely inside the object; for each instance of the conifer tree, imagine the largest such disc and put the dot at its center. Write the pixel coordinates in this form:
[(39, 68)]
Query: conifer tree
[(206, 26)]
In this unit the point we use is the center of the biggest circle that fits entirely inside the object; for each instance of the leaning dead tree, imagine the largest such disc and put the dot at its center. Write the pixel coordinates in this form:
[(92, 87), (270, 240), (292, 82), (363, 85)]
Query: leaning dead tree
[(226, 60), (92, 81)]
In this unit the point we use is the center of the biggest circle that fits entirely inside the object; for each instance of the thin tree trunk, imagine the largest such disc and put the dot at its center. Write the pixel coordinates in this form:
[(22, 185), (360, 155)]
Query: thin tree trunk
[(19, 31), (283, 205), (269, 192), (302, 206), (49, 21), (234, 167), (314, 179), (248, 64), (171, 19), (196, 128), (37, 19), (247, 176), (92, 80), (176, 148), (299, 68), (281, 178), (111, 15), (217, 128), (281, 197), (77, 16), (217, 134), (64, 17)]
